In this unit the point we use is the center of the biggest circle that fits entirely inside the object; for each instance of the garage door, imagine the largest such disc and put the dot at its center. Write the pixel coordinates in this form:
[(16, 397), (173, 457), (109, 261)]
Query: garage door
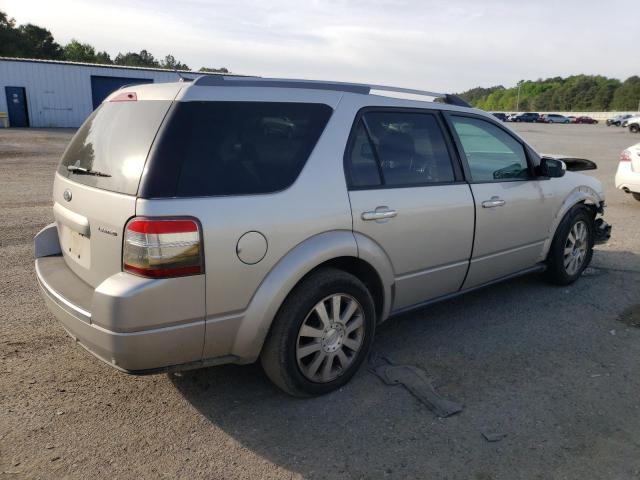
[(101, 87)]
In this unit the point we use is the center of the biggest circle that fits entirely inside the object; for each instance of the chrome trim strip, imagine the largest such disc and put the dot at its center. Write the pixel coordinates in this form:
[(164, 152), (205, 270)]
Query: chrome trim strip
[(58, 297)]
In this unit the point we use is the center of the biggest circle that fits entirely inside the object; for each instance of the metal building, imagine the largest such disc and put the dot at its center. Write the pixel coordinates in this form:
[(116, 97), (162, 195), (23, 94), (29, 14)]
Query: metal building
[(51, 93)]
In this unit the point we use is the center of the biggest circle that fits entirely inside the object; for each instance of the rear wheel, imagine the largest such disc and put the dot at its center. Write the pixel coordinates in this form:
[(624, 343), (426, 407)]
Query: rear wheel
[(572, 247), (321, 334)]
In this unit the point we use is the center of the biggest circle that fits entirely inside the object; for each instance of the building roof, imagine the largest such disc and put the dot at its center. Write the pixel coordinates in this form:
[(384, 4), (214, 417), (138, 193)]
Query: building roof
[(103, 65)]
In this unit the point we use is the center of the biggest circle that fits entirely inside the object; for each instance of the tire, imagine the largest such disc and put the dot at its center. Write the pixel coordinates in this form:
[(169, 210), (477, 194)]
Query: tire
[(636, 196), (617, 124), (297, 363), (634, 128), (558, 271)]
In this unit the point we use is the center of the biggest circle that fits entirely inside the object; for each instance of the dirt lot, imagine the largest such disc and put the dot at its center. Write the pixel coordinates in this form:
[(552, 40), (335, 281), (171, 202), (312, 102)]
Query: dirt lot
[(554, 369)]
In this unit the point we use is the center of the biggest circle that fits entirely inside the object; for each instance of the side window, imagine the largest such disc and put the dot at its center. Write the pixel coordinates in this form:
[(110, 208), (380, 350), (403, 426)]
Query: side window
[(362, 166), (407, 148), (492, 153), (239, 148)]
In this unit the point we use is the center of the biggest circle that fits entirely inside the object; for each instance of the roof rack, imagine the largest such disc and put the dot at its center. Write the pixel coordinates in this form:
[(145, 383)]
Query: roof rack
[(361, 88)]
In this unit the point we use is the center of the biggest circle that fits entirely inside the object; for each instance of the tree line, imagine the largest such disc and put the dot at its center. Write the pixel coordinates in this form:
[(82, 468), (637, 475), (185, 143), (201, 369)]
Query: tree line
[(578, 93), (33, 41)]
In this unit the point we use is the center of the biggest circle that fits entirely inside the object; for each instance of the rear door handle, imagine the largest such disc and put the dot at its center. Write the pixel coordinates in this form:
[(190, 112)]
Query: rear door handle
[(379, 214), (494, 202)]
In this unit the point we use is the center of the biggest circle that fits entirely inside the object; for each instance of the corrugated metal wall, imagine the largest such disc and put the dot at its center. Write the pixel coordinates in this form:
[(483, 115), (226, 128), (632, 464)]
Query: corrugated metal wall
[(59, 95)]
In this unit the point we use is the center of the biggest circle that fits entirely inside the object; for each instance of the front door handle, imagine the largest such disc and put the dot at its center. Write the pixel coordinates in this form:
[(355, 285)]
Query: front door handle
[(494, 202), (379, 214)]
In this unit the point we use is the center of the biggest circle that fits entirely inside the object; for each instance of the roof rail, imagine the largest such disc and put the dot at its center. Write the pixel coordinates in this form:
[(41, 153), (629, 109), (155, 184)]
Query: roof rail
[(361, 88)]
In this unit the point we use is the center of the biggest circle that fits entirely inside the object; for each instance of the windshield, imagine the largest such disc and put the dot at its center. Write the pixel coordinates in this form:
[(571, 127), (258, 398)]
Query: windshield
[(109, 151)]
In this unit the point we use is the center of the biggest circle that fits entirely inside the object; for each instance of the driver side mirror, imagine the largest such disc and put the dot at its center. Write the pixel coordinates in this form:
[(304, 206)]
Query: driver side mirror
[(551, 167)]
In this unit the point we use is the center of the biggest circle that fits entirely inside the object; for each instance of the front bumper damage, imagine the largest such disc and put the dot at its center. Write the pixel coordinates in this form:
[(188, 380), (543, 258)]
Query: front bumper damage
[(602, 231)]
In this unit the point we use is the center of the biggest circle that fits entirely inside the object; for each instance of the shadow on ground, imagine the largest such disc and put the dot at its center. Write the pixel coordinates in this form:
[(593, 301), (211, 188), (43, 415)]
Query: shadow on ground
[(552, 368)]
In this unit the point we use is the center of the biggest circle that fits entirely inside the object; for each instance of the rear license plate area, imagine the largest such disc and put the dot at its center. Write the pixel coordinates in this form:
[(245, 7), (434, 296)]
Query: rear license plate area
[(75, 246)]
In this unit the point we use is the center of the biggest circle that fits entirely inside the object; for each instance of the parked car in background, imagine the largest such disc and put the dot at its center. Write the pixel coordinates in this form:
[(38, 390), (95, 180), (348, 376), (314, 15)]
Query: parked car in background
[(500, 116), (555, 118), (175, 244), (634, 124), (628, 121), (587, 120), (617, 120), (528, 117), (628, 173)]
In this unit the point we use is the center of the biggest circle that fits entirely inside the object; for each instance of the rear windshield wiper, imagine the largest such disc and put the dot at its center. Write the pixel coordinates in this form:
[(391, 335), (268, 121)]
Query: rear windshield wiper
[(86, 171)]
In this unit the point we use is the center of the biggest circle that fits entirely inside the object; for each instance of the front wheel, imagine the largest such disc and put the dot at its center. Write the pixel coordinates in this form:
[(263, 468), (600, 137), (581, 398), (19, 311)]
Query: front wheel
[(321, 334), (636, 196), (572, 247), (634, 128)]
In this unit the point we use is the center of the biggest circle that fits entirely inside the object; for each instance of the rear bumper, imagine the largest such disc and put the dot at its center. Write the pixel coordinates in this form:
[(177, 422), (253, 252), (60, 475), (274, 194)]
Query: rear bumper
[(132, 352), (135, 325), (626, 179)]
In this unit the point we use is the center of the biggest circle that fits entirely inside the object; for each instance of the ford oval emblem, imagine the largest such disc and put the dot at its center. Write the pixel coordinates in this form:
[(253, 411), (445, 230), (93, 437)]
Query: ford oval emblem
[(67, 195)]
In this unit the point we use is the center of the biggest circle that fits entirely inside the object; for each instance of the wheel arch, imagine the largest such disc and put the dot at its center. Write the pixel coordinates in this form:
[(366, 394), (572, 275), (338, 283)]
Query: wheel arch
[(582, 195), (337, 249)]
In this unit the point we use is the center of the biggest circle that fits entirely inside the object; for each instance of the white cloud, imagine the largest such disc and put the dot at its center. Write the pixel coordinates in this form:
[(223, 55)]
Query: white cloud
[(447, 46)]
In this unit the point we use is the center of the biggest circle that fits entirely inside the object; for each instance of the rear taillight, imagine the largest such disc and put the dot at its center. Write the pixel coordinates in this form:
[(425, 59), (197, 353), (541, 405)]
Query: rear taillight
[(162, 248), (625, 156)]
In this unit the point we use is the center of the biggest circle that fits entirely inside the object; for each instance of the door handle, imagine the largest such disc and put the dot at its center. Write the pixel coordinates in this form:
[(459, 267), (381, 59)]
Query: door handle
[(378, 214), (494, 202)]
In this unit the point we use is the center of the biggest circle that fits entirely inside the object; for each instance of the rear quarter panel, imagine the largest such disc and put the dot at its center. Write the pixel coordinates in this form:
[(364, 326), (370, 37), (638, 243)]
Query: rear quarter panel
[(315, 204)]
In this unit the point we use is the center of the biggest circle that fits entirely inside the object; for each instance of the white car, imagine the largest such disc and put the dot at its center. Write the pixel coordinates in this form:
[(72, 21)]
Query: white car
[(634, 124), (628, 121), (628, 174)]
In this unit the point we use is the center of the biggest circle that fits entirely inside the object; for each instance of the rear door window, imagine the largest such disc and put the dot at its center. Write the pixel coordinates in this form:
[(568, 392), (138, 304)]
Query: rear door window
[(235, 148), (109, 151), (398, 149)]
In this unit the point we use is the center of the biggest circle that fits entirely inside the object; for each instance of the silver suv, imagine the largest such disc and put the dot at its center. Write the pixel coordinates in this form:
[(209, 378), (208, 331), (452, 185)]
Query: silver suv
[(230, 219)]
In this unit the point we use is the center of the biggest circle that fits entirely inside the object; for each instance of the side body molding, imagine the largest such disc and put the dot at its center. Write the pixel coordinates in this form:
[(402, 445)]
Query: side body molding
[(273, 290), (46, 242), (581, 194)]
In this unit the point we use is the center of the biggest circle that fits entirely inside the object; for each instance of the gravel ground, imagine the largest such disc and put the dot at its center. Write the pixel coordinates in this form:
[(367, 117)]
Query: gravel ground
[(554, 369)]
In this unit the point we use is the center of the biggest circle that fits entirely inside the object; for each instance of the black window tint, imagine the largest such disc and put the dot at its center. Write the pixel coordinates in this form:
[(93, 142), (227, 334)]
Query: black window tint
[(236, 148), (492, 154), (410, 147), (114, 141), (361, 163)]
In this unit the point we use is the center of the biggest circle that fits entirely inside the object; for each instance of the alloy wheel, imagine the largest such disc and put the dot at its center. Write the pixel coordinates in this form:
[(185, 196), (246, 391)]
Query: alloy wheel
[(575, 248), (330, 338)]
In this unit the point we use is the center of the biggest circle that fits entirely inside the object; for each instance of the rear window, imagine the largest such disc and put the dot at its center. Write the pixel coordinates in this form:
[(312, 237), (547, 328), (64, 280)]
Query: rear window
[(109, 151), (233, 148)]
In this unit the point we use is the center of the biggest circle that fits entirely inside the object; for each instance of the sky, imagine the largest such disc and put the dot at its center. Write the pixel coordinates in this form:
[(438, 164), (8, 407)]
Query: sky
[(432, 45)]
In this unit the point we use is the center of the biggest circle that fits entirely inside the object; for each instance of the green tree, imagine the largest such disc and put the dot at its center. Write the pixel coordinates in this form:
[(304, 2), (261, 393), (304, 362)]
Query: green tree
[(10, 41), (577, 93), (627, 96), (37, 42), (213, 70), (132, 59), (171, 63), (75, 51)]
